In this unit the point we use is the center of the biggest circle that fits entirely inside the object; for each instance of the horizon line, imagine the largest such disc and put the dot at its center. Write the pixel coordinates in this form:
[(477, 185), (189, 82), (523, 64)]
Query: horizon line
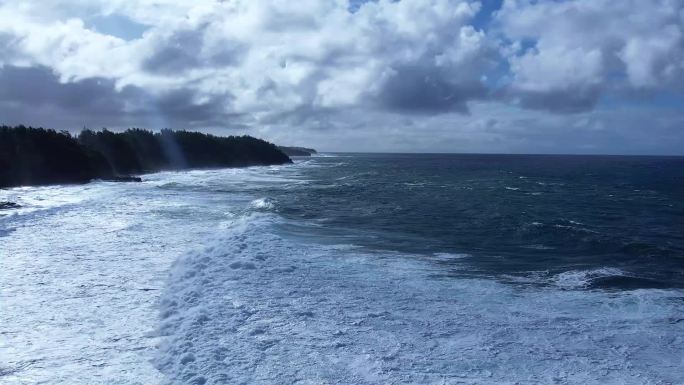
[(494, 153)]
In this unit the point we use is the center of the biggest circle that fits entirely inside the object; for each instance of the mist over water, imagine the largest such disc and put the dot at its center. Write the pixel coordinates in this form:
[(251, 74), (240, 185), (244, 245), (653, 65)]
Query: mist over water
[(351, 269)]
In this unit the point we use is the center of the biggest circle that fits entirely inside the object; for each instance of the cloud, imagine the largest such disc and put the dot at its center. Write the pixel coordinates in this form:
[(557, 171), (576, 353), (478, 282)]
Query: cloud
[(35, 95), (173, 52), (569, 53), (426, 90), (269, 55), (38, 88), (336, 66)]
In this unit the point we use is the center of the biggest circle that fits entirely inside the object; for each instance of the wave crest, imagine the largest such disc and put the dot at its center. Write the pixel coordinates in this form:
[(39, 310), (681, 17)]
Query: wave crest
[(263, 204), (579, 279)]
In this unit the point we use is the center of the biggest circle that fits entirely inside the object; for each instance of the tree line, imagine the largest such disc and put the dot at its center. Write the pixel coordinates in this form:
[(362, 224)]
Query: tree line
[(37, 156)]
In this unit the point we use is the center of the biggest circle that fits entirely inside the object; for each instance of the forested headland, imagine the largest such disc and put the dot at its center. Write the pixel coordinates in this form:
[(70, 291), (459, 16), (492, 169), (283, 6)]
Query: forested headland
[(38, 156), (297, 151)]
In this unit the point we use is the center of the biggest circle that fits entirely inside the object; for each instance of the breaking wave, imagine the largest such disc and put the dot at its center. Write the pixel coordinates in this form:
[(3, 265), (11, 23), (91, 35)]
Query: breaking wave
[(253, 306), (263, 204), (577, 279)]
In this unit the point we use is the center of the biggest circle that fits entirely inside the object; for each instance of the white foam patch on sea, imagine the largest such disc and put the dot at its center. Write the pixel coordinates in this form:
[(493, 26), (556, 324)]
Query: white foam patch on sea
[(575, 279), (82, 268), (255, 307), (263, 203), (450, 256)]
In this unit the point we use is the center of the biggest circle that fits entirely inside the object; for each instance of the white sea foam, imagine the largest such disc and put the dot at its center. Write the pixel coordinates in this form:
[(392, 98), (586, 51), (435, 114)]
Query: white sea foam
[(574, 226), (577, 279), (82, 267), (538, 246), (450, 256), (254, 307), (263, 203), (324, 155), (568, 280)]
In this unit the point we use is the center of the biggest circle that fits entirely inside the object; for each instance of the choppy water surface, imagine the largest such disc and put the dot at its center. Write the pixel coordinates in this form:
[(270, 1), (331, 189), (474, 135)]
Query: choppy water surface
[(351, 269)]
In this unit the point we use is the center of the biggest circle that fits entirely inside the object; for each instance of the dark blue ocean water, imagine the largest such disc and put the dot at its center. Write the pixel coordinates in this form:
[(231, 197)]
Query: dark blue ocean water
[(515, 216)]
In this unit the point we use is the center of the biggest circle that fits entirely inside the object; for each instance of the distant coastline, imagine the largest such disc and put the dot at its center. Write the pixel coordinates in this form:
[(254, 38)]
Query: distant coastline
[(38, 156), (297, 151)]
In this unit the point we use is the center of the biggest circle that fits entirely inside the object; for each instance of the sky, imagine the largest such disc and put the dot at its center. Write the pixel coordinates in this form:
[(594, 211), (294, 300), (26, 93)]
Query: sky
[(489, 76)]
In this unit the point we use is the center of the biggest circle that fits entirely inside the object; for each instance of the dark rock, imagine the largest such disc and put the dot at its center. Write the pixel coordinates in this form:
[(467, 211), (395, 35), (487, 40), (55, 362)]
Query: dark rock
[(124, 178), (9, 205)]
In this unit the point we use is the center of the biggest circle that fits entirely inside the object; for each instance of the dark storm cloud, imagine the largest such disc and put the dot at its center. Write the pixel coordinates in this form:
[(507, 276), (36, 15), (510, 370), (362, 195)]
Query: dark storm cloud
[(426, 90), (34, 95), (39, 88), (567, 101), (179, 106)]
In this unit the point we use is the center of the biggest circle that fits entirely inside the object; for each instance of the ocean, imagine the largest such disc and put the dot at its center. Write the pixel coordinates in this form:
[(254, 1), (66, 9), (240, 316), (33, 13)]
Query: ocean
[(351, 269)]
